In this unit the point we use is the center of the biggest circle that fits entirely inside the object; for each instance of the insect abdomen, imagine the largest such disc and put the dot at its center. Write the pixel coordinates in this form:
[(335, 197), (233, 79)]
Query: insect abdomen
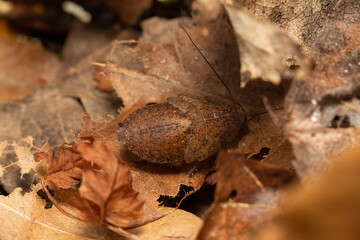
[(157, 133)]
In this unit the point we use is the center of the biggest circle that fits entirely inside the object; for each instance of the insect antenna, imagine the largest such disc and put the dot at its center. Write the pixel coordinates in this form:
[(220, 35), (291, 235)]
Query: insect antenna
[(212, 68)]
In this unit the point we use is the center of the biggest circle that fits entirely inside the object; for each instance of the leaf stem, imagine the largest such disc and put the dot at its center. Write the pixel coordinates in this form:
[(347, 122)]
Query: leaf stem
[(63, 211)]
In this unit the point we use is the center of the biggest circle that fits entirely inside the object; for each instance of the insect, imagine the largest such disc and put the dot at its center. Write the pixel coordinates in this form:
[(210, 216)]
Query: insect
[(184, 129)]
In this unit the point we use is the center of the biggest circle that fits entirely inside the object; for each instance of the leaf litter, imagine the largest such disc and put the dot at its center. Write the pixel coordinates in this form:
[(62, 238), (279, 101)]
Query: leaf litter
[(289, 131)]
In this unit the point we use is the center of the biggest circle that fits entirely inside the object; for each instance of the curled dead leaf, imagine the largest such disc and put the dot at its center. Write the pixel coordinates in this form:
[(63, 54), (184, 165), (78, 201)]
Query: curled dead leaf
[(106, 194), (65, 172)]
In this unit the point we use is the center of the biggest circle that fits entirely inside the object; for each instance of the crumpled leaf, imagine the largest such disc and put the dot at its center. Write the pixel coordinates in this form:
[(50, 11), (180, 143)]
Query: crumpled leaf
[(263, 48), (30, 72), (246, 195), (106, 194), (303, 20), (65, 172), (24, 217)]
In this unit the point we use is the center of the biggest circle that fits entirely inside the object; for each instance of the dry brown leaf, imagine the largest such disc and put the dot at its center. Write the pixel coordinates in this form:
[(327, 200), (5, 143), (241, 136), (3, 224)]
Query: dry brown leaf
[(149, 68), (302, 19), (106, 194), (246, 194), (24, 217), (263, 48), (65, 172), (250, 179), (232, 221), (26, 72), (159, 71), (266, 142), (217, 43)]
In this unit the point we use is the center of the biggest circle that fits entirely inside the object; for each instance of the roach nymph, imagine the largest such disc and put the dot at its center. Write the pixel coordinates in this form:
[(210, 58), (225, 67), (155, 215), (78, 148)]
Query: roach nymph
[(185, 129)]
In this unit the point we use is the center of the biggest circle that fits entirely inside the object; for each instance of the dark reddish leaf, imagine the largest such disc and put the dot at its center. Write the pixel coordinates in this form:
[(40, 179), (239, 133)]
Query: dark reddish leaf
[(65, 172), (106, 194)]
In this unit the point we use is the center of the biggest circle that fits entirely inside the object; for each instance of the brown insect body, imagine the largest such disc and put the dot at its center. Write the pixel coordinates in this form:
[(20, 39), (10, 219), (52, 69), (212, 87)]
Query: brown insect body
[(186, 128)]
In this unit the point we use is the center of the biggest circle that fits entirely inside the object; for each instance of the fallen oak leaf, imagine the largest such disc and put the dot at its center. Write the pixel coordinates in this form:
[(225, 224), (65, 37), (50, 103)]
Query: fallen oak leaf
[(66, 172), (106, 195)]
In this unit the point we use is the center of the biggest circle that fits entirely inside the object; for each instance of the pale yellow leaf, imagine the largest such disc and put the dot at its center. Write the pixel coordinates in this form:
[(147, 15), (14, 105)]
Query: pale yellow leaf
[(24, 217), (179, 224)]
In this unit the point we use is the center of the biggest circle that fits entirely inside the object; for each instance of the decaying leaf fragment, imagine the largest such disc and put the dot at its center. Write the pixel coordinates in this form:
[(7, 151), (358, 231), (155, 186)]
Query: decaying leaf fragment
[(106, 194), (65, 172)]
